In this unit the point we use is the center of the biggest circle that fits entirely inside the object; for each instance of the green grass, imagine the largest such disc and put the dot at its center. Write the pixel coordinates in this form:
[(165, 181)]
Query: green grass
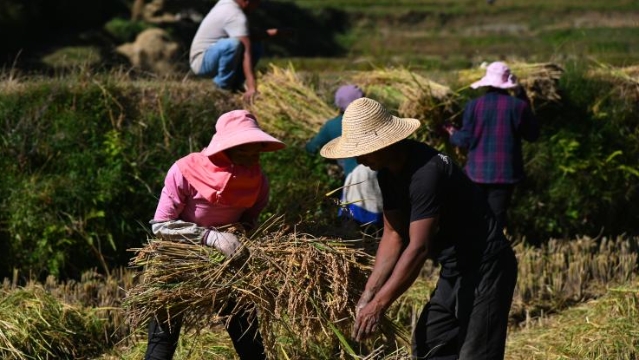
[(464, 6), (446, 34)]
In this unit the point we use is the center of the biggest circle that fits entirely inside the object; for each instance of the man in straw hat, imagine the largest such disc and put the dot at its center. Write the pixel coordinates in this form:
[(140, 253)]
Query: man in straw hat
[(431, 210), (221, 185), (494, 125)]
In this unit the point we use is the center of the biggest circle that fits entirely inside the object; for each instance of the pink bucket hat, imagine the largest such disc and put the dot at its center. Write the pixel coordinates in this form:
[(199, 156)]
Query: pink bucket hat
[(497, 75), (239, 127)]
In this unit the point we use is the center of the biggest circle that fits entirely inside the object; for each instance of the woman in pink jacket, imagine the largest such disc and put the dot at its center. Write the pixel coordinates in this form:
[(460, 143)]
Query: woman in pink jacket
[(221, 185)]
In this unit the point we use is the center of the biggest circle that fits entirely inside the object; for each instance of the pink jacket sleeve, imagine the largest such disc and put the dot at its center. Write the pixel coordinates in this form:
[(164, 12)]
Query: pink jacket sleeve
[(173, 196)]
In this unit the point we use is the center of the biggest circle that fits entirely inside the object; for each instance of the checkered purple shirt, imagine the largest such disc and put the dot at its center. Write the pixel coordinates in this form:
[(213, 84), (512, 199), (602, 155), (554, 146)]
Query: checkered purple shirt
[(492, 129)]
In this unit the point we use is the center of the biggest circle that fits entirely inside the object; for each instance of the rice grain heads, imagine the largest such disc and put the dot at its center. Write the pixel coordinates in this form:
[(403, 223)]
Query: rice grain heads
[(299, 286), (287, 106), (413, 95)]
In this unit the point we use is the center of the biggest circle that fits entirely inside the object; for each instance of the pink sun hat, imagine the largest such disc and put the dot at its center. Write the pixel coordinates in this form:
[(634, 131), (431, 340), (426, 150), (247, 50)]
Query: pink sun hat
[(497, 75), (239, 127)]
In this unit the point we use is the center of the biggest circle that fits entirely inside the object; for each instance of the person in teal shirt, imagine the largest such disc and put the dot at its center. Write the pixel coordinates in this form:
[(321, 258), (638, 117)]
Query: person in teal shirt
[(333, 127), (361, 196)]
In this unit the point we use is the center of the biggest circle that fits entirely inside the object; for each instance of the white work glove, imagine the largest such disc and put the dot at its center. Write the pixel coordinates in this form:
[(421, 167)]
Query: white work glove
[(225, 242)]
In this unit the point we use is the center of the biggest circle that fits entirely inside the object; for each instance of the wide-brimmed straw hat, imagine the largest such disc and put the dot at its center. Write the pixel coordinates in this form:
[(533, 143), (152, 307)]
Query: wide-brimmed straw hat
[(497, 75), (367, 126), (239, 127)]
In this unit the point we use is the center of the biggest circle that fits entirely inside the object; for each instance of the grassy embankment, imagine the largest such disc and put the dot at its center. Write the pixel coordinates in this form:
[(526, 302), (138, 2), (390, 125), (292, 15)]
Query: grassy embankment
[(444, 34)]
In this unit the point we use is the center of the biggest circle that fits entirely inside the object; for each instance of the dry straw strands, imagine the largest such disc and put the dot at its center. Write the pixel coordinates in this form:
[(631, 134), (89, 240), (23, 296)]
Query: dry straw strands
[(62, 319), (606, 328), (413, 95), (629, 74), (565, 271), (625, 79), (36, 325), (540, 80), (286, 104), (301, 286)]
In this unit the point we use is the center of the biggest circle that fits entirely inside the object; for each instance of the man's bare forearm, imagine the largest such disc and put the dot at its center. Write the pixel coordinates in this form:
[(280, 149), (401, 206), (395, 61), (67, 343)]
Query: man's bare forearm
[(390, 248), (402, 277), (409, 264)]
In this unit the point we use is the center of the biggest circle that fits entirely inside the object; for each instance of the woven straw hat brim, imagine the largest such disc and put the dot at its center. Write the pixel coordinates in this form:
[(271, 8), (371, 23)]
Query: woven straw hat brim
[(356, 143)]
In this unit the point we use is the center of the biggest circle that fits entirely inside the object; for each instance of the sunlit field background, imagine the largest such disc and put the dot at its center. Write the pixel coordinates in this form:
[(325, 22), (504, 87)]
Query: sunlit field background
[(87, 138)]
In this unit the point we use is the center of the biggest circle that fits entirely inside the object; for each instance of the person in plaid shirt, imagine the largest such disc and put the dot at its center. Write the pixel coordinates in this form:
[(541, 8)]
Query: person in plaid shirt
[(493, 127)]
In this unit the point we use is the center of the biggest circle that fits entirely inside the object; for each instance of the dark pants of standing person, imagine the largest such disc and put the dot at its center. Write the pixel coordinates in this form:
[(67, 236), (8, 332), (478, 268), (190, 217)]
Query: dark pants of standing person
[(243, 330), (498, 196), (467, 315)]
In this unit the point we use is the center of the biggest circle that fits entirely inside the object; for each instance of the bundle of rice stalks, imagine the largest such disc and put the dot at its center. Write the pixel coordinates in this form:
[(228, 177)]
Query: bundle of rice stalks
[(287, 106), (411, 94), (625, 80), (301, 287), (540, 80), (35, 325)]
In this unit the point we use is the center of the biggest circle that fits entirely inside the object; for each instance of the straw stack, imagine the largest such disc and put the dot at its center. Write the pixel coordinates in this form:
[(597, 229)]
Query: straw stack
[(625, 80), (412, 95), (36, 325), (540, 80), (302, 287), (287, 105)]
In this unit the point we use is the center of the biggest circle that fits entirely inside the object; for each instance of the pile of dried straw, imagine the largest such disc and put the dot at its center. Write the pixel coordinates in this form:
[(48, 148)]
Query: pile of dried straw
[(286, 104), (302, 287), (36, 325), (411, 94), (625, 79)]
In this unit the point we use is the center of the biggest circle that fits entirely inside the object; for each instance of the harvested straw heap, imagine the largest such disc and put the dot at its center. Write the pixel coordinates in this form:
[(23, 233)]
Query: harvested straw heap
[(302, 287), (540, 80), (414, 95), (625, 80), (36, 325), (286, 104)]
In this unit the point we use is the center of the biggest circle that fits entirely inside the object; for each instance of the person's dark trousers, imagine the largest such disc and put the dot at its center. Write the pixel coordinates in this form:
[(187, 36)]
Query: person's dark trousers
[(467, 316), (245, 333), (242, 328), (163, 338), (498, 196)]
